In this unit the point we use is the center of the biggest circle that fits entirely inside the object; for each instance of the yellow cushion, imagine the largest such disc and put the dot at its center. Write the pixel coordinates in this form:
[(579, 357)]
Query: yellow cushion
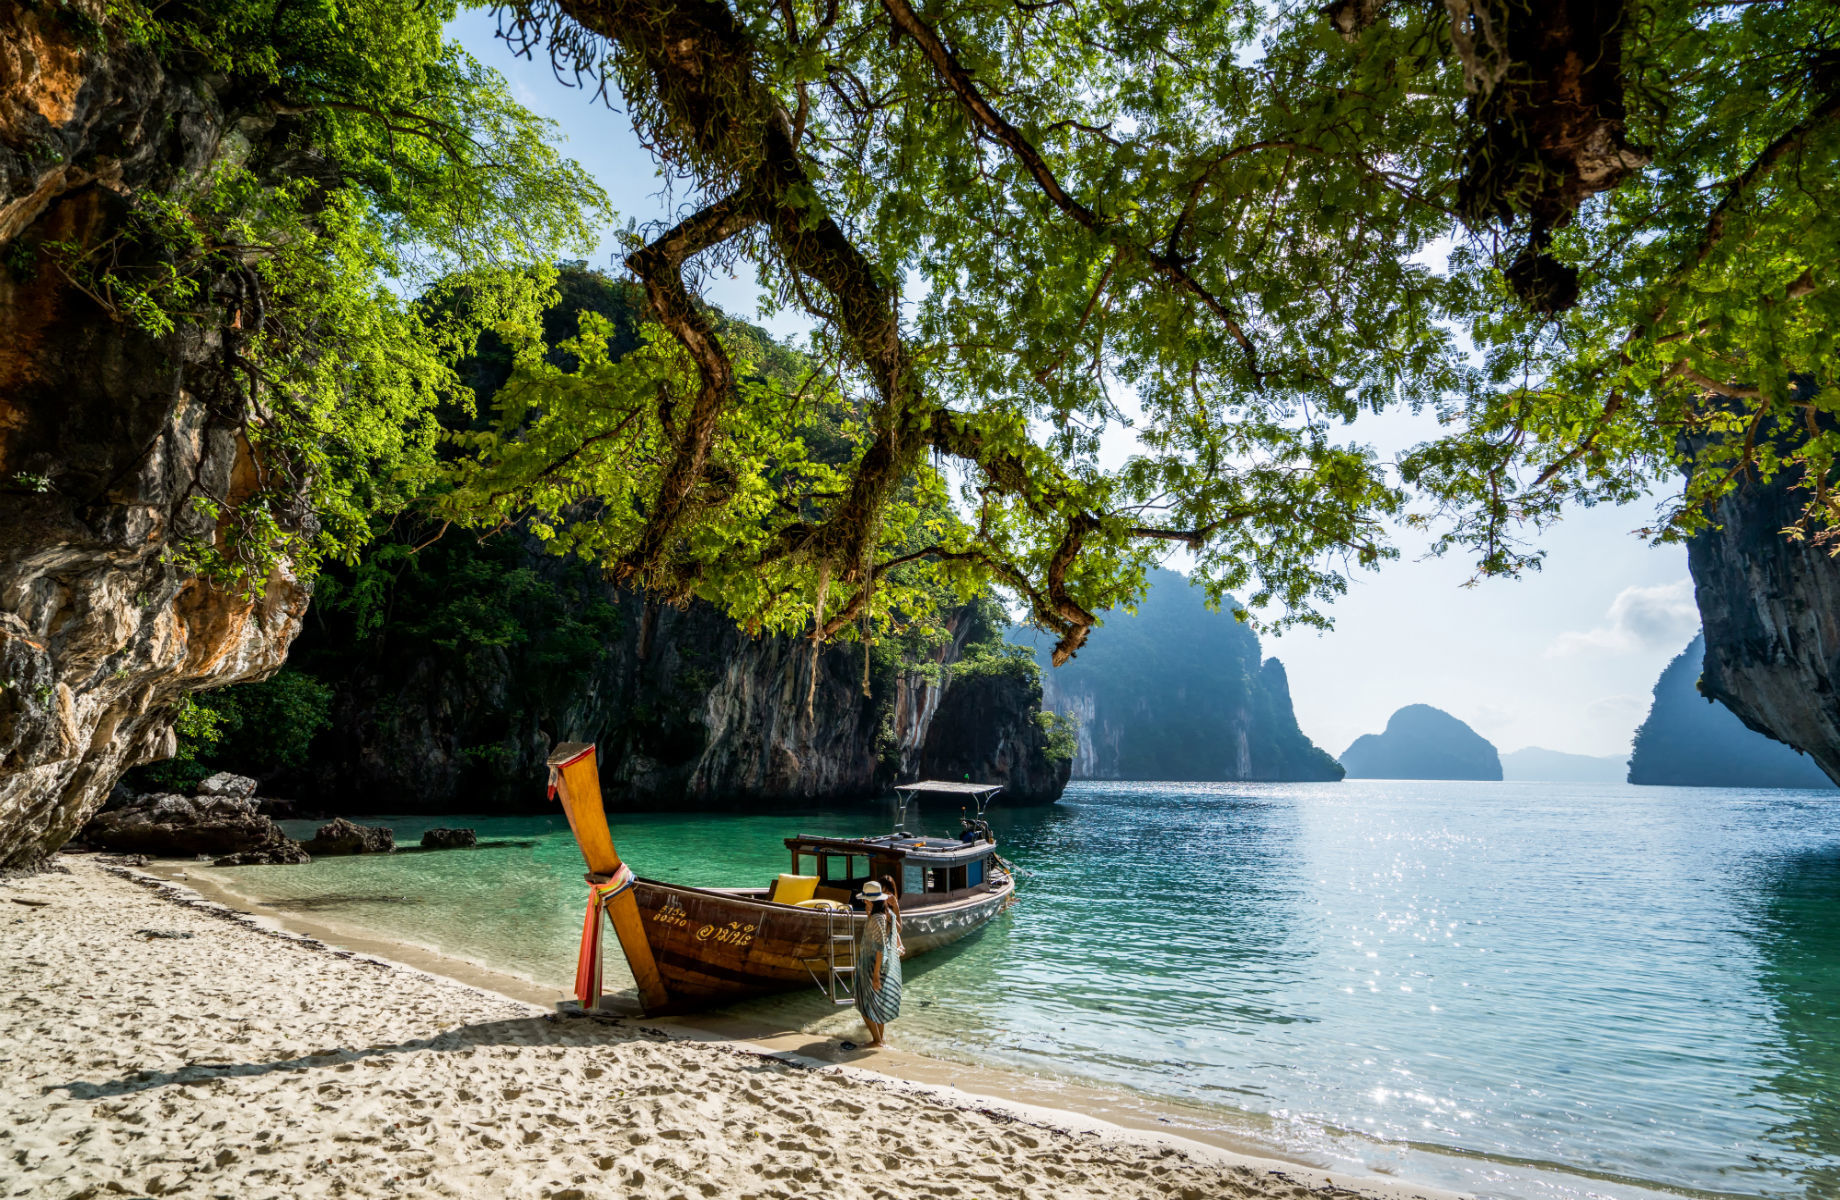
[(832, 904), (794, 889)]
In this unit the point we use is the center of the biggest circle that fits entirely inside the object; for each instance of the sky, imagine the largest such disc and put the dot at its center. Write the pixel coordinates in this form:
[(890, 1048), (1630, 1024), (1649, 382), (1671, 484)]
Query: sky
[(1565, 658)]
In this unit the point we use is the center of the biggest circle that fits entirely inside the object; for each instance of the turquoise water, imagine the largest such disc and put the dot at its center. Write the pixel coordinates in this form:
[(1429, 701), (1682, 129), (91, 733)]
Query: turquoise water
[(1522, 989)]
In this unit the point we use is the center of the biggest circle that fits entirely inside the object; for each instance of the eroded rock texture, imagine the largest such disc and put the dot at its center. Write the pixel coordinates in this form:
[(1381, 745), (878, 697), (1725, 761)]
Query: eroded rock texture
[(983, 723), (686, 708), (339, 836), (105, 433), (227, 828), (1691, 740), (1771, 610)]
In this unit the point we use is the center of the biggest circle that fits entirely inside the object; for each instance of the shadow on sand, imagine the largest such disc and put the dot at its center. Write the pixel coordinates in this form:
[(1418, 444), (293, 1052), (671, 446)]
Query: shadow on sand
[(559, 1030)]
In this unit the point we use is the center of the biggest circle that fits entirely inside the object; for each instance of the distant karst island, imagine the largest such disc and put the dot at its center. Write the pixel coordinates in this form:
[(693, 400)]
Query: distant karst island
[(1688, 740), (1177, 691), (1691, 740), (1422, 742)]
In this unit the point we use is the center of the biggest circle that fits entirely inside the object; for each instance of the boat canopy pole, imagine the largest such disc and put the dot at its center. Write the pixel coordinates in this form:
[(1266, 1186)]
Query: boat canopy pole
[(982, 793), (575, 774)]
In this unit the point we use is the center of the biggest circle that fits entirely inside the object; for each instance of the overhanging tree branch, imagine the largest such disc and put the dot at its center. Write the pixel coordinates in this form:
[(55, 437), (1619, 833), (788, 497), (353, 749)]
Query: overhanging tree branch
[(660, 266), (1164, 262)]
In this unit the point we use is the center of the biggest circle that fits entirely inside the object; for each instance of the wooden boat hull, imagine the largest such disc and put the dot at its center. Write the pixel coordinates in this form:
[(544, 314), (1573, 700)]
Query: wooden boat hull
[(714, 946)]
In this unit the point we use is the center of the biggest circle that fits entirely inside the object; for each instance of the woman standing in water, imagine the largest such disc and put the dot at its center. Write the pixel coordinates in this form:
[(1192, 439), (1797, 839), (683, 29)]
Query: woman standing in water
[(878, 958)]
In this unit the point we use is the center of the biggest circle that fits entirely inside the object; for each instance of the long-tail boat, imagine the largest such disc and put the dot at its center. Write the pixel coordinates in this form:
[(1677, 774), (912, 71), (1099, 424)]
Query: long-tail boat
[(695, 947)]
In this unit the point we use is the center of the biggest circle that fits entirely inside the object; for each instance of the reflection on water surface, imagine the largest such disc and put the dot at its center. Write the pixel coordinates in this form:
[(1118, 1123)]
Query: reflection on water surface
[(1573, 989)]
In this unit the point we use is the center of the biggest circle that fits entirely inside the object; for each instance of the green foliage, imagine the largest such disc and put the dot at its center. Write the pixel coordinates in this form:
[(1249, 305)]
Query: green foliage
[(422, 621), (1018, 230), (988, 653), (457, 601), (582, 436), (268, 726), (998, 659), (197, 728), (1061, 734), (1224, 227), (1705, 338), (413, 173), (252, 728)]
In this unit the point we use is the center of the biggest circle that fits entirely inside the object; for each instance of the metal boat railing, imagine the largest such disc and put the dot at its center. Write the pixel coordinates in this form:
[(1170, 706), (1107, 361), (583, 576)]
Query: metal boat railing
[(839, 961)]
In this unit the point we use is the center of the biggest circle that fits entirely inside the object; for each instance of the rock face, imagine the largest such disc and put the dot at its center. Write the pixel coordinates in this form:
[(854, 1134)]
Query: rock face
[(1692, 740), (228, 828), (986, 725), (686, 708), (449, 839), (1771, 612), (106, 434), (339, 836), (1178, 692), (1422, 742)]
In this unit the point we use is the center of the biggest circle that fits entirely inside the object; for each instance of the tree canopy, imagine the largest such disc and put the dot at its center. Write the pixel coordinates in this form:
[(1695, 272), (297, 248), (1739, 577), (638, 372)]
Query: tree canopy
[(1594, 239), (378, 202)]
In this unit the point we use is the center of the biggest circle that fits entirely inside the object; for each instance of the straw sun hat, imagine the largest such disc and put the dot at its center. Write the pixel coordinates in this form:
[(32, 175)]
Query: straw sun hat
[(872, 891)]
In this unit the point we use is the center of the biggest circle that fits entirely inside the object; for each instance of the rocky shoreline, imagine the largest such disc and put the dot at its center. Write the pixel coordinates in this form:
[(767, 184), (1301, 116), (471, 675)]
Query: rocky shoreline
[(224, 821)]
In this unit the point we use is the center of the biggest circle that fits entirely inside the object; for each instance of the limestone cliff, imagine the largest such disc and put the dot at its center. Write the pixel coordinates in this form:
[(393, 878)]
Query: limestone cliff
[(1691, 740), (986, 722), (1771, 612), (492, 653), (105, 431), (1177, 692)]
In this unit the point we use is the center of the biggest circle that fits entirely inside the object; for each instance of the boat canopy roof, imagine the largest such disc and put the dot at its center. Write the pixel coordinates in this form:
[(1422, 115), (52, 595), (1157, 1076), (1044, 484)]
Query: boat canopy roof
[(907, 847), (948, 787)]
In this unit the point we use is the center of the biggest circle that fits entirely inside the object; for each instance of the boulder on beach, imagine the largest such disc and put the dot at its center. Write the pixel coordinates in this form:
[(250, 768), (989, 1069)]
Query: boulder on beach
[(269, 855), (167, 825), (226, 784), (339, 836), (449, 839)]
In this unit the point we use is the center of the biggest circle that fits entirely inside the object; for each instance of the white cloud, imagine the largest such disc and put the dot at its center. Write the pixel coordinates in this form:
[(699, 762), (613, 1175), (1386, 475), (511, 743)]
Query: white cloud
[(1639, 618)]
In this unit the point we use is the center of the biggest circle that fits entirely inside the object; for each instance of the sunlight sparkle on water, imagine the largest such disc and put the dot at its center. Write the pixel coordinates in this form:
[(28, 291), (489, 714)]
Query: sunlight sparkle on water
[(1195, 942)]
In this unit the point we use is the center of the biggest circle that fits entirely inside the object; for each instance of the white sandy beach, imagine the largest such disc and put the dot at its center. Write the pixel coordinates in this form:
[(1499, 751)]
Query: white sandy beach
[(151, 1044)]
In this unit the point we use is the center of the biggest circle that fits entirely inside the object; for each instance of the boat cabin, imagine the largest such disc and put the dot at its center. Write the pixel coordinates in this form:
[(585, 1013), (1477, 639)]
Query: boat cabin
[(834, 870)]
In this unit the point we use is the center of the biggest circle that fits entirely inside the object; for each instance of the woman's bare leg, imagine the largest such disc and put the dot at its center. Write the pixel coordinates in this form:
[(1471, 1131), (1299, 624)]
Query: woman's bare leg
[(875, 1031)]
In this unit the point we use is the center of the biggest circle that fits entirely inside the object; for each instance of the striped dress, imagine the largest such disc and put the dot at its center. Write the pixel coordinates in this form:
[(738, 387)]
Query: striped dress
[(879, 948)]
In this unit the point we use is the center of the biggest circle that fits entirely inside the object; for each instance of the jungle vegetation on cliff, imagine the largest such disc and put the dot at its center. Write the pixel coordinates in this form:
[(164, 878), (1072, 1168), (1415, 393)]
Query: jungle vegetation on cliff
[(413, 208)]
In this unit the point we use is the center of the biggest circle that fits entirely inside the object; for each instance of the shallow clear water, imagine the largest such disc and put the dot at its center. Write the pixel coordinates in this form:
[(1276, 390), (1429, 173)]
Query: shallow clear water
[(1522, 989)]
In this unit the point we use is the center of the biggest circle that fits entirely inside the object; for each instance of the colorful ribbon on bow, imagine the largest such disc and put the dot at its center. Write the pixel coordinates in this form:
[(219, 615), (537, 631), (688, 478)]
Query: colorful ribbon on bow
[(587, 964)]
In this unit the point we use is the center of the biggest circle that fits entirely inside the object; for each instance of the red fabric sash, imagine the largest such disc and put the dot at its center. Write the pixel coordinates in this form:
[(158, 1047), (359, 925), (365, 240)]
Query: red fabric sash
[(588, 962)]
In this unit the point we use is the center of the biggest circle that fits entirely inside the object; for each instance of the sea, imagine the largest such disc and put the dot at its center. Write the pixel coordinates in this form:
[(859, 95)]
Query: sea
[(1516, 989)]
